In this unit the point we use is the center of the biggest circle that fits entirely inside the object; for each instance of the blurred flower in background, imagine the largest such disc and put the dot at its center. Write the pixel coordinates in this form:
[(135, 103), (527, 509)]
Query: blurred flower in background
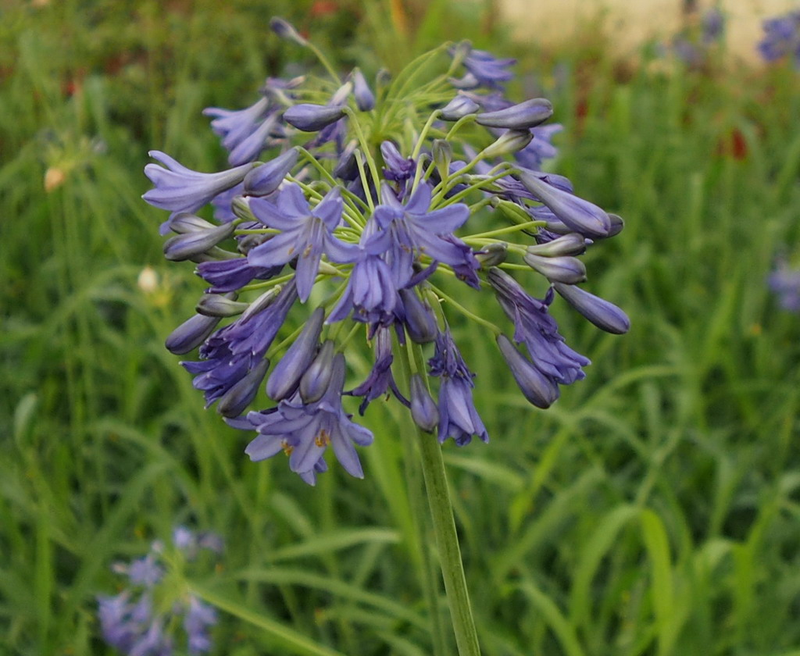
[(785, 283), (781, 38), (156, 614)]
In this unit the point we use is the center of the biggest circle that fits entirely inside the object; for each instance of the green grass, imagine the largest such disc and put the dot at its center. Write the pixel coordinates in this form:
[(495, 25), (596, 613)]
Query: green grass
[(654, 510)]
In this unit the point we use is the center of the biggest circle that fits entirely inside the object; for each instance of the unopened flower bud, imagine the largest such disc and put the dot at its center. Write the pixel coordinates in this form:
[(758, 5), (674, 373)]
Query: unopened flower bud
[(185, 222), (347, 166), (600, 312), (312, 118), (522, 116), (578, 214), (492, 255), (285, 30), (220, 305), (419, 321), (458, 107), (190, 333), (365, 99), (188, 245), (569, 244), (423, 409), (316, 379), (534, 385), (287, 373), (509, 142), (617, 224), (265, 179), (240, 207), (565, 269), (513, 211), (234, 402), (442, 156)]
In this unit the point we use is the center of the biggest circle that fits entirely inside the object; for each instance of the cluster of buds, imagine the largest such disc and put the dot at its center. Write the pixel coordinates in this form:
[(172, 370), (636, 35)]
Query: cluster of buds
[(371, 202), (144, 618)]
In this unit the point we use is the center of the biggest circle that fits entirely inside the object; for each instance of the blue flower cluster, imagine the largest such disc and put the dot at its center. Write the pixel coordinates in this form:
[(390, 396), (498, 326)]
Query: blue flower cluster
[(142, 619), (785, 282), (369, 197), (692, 46), (781, 38)]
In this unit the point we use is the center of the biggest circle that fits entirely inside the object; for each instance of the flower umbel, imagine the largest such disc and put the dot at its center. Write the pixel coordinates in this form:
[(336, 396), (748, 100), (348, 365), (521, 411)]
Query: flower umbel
[(371, 213), (142, 619)]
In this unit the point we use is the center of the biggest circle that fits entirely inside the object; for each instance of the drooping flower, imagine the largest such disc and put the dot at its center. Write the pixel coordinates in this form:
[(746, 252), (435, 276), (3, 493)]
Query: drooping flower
[(179, 189), (458, 417), (304, 431)]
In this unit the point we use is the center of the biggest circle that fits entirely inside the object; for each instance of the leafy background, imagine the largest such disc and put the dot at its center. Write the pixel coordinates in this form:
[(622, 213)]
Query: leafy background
[(653, 510)]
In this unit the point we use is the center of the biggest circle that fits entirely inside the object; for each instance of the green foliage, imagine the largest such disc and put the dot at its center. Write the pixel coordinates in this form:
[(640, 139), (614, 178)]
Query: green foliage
[(653, 510)]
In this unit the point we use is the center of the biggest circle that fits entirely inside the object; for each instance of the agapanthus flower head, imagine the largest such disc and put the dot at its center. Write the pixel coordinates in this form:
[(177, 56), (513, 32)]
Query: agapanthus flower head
[(369, 215), (142, 619), (781, 38)]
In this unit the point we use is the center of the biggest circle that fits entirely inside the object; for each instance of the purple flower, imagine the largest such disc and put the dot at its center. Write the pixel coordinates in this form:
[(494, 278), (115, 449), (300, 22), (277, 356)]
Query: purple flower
[(234, 351), (486, 70), (785, 282), (398, 168), (713, 25), (266, 178), (285, 377), (370, 292), (179, 189), (306, 235), (423, 409), (304, 431), (534, 327), (380, 380), (145, 571), (365, 99), (417, 231), (781, 37), (458, 107), (540, 148), (230, 275), (458, 417), (197, 620), (540, 390)]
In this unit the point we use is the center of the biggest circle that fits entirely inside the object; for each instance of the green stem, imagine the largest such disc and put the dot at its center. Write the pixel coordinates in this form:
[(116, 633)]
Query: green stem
[(444, 528)]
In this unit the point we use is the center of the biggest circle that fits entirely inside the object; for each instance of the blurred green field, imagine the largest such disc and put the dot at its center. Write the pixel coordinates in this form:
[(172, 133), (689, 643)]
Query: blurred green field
[(654, 510)]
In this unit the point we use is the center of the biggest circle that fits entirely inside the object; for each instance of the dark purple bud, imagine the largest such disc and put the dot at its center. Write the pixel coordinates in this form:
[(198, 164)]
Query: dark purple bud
[(234, 402), (188, 245), (523, 116), (183, 223), (287, 373), (578, 214), (535, 386), (347, 166), (285, 30), (492, 255), (265, 179), (566, 269), (600, 312), (312, 118), (423, 409), (316, 379), (419, 321), (190, 334), (365, 99), (570, 244), (219, 305), (509, 142), (458, 107)]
